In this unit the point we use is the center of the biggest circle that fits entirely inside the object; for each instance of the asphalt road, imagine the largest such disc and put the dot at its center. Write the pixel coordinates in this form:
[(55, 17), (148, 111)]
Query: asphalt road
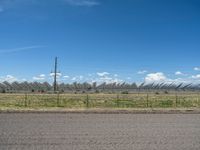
[(60, 131)]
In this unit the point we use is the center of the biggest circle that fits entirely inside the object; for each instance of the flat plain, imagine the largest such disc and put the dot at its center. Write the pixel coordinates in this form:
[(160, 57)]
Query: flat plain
[(79, 131)]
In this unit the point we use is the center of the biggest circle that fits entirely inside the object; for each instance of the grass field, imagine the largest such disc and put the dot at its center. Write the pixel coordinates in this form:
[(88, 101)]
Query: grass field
[(151, 100)]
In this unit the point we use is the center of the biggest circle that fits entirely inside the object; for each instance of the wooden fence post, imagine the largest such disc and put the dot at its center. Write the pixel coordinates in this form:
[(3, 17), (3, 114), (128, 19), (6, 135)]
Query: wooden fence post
[(87, 101), (176, 104), (25, 102), (58, 99), (117, 100)]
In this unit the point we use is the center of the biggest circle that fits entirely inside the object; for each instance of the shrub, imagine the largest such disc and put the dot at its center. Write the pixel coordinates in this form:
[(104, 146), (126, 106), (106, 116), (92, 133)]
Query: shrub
[(124, 92), (166, 92), (97, 91)]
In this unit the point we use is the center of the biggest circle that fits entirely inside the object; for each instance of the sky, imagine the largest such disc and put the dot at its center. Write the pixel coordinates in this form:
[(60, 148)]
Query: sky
[(100, 40)]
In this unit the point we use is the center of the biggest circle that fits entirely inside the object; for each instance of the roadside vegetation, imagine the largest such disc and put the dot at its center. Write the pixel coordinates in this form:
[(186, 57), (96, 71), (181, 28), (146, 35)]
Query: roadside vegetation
[(122, 100)]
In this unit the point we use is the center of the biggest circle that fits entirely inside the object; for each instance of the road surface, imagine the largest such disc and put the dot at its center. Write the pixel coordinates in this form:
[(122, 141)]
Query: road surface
[(65, 131)]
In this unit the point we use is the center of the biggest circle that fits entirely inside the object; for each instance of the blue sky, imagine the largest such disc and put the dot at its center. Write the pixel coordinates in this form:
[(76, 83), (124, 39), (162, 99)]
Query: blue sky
[(100, 40)]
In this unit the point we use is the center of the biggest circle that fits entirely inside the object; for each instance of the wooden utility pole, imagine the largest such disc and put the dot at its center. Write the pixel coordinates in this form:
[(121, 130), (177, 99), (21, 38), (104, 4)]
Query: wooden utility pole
[(55, 75)]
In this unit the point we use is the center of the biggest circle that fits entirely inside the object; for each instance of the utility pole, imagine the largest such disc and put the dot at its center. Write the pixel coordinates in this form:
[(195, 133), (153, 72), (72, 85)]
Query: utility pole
[(55, 75)]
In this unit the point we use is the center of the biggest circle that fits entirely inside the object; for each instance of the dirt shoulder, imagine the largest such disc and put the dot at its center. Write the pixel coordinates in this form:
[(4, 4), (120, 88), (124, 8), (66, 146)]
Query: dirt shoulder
[(106, 111)]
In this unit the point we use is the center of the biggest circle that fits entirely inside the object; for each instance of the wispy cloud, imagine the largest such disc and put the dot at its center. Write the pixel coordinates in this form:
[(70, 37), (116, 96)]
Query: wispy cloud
[(6, 4), (13, 50), (197, 68), (88, 3), (142, 72), (66, 77), (196, 76), (179, 73), (77, 78), (102, 74), (8, 78), (40, 77), (57, 74)]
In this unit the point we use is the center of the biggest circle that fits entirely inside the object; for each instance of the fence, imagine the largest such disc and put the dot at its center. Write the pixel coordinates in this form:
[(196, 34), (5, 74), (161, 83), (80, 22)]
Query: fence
[(148, 100)]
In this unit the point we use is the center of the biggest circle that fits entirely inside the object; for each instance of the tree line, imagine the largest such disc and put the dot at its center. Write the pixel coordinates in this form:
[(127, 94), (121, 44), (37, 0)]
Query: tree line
[(38, 87)]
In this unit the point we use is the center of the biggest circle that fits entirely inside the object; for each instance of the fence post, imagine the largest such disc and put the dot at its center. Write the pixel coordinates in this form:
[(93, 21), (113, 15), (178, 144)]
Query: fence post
[(87, 101), (25, 102), (45, 102), (147, 100), (117, 100), (58, 99), (151, 103), (29, 100), (176, 104)]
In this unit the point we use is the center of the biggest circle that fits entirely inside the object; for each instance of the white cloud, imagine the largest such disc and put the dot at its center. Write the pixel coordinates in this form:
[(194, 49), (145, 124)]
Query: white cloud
[(160, 77), (90, 75), (77, 78), (58, 74), (88, 3), (81, 77), (24, 79), (102, 74), (11, 78), (109, 80), (74, 79), (196, 76), (8, 78), (128, 78), (40, 77), (178, 73), (155, 77), (116, 80), (106, 78), (116, 75), (142, 72), (179, 80), (66, 77), (197, 68)]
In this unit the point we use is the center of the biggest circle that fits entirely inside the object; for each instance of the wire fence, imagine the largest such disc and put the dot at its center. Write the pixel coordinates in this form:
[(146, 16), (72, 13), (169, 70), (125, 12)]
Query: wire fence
[(144, 100)]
